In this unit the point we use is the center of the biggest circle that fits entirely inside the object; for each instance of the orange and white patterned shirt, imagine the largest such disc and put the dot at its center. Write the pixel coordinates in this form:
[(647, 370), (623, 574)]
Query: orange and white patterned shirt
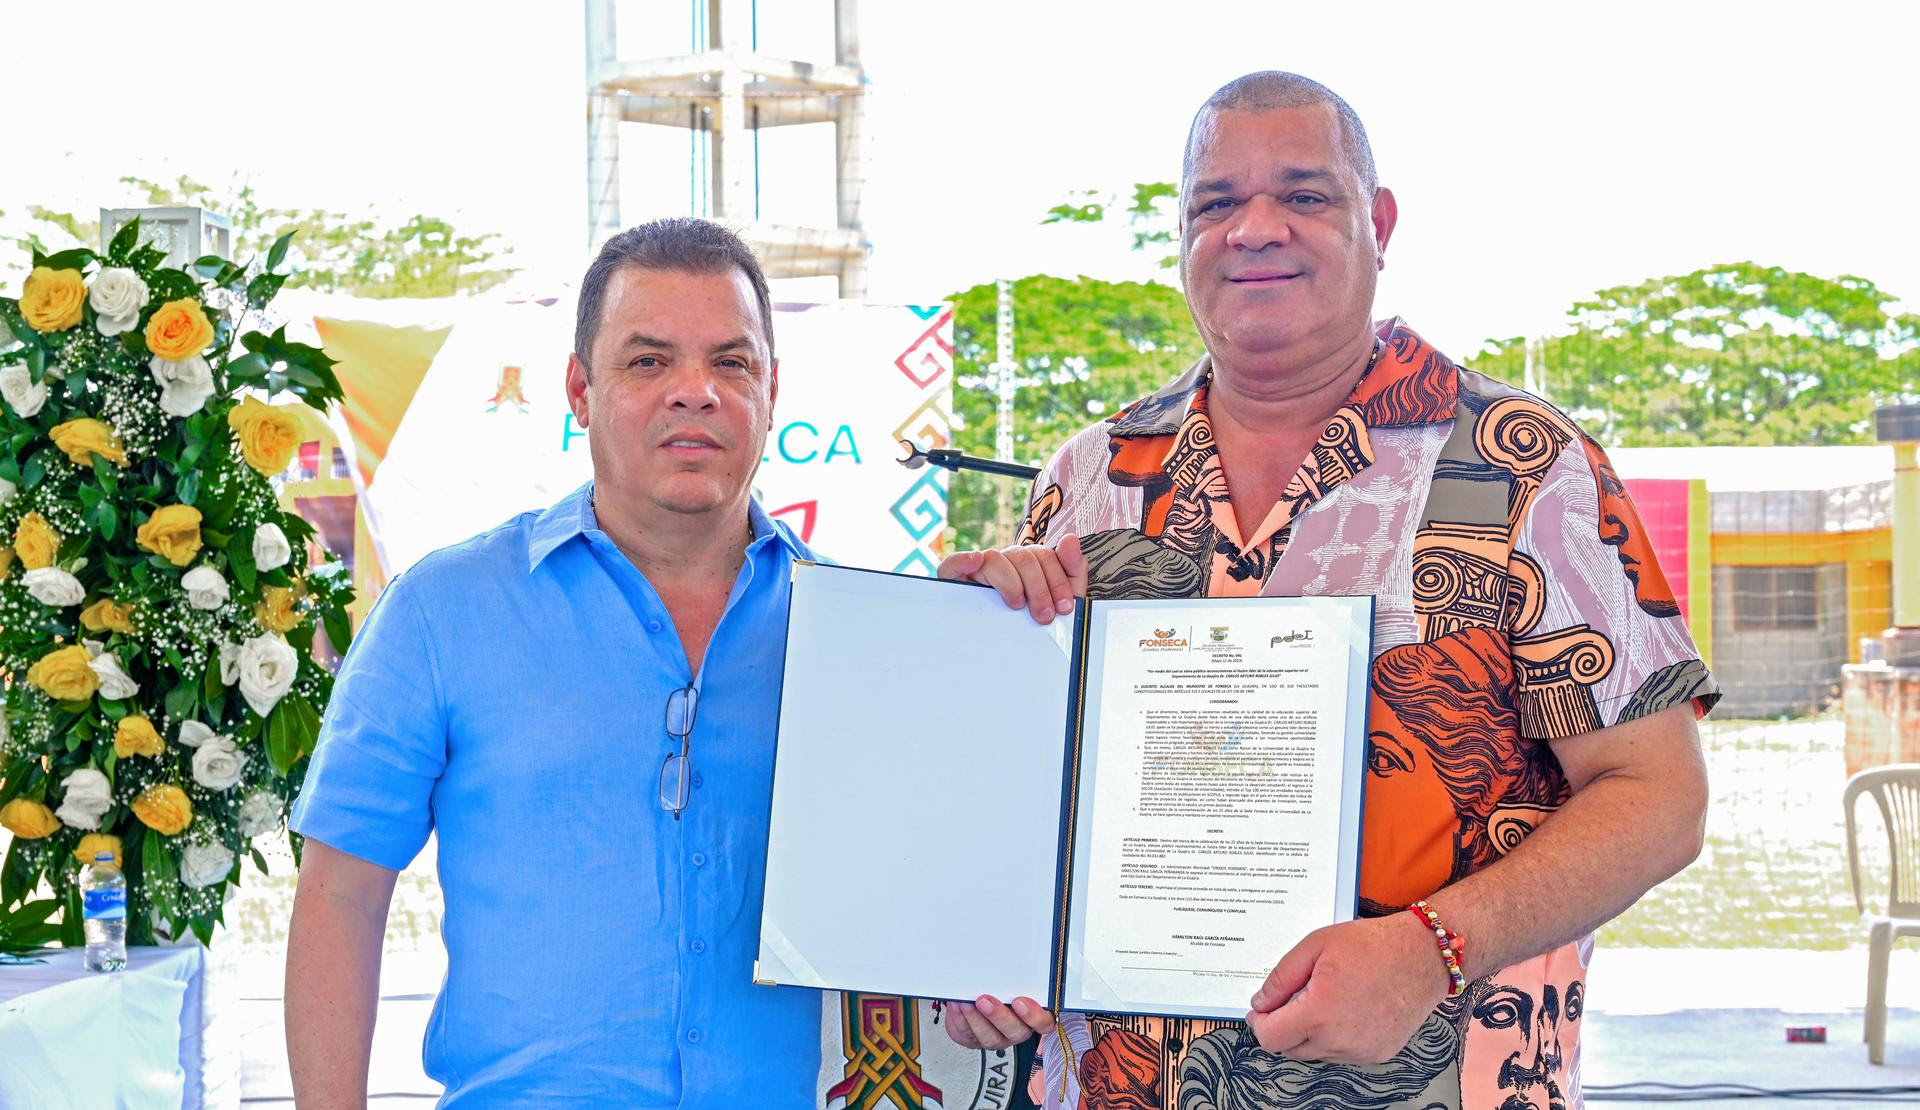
[(1517, 603)]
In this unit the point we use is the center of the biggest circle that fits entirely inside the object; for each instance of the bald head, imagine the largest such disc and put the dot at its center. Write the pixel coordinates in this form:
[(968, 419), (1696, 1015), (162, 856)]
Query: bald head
[(1270, 89)]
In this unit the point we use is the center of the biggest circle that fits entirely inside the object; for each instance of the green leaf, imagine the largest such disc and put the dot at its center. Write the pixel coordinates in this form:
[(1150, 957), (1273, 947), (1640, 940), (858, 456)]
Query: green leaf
[(282, 747), (73, 926), (339, 628), (210, 686), (209, 266), (181, 700), (124, 239), (188, 488), (31, 473), (259, 860), (278, 253), (74, 259)]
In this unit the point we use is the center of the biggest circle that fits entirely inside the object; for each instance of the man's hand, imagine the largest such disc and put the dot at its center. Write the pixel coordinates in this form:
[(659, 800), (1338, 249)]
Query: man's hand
[(1044, 579), (1352, 993), (990, 1024)]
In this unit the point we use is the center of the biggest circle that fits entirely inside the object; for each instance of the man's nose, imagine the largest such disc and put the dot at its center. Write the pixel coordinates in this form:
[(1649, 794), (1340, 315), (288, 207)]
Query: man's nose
[(1261, 222), (693, 387)]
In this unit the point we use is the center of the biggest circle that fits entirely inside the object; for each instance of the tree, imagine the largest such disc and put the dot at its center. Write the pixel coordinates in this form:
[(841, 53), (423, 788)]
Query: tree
[(1083, 346), (1735, 354), (423, 256), (1151, 216)]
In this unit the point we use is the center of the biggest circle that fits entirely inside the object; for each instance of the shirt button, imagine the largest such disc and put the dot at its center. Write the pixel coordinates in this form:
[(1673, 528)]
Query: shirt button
[(697, 780), (693, 1036), (653, 626), (699, 859), (698, 946)]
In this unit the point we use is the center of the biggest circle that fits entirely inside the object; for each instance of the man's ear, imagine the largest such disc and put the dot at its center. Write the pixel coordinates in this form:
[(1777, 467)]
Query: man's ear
[(1386, 214), (577, 382), (773, 391)]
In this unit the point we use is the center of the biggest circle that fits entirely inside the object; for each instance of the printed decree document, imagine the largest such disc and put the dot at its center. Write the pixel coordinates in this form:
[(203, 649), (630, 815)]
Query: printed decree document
[(1219, 801), (1138, 808)]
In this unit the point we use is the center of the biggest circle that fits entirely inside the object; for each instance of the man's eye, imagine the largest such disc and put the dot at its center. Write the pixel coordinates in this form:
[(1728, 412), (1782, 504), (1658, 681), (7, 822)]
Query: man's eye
[(1306, 200), (1215, 207), (646, 362)]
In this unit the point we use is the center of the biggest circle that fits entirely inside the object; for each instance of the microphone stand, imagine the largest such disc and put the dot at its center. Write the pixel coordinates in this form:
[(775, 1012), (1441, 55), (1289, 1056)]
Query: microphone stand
[(948, 458)]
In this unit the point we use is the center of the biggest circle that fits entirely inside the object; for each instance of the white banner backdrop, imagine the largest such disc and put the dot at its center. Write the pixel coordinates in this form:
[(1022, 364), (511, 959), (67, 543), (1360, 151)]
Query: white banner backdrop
[(489, 434)]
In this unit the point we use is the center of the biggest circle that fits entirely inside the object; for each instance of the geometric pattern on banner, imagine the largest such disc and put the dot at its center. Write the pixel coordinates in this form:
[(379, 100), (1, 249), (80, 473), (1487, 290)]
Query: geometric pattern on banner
[(921, 509), (929, 426), (881, 1039), (927, 503), (929, 356), (916, 562)]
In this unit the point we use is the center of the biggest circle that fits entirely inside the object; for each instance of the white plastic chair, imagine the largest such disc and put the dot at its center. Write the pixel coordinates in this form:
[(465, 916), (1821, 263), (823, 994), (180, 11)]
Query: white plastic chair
[(1896, 790)]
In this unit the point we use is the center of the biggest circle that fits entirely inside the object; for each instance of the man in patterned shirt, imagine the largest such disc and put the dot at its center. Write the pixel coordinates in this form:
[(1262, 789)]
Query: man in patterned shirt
[(1534, 765)]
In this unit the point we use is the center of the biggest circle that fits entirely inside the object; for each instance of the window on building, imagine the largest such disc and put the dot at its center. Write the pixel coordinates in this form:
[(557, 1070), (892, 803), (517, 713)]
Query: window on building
[(340, 464), (1776, 598)]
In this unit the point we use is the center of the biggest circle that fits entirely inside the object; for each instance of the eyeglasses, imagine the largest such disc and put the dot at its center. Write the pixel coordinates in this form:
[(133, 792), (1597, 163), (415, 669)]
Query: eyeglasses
[(676, 773)]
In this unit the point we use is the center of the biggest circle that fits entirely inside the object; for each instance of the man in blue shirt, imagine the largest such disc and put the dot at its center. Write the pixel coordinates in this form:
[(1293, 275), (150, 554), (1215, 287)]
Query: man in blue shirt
[(581, 703)]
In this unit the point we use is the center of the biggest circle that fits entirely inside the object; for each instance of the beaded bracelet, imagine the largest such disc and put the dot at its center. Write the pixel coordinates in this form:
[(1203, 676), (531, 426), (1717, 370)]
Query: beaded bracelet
[(1452, 946)]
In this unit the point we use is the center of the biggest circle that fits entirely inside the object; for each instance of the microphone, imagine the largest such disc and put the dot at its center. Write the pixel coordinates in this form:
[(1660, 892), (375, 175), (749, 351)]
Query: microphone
[(949, 459)]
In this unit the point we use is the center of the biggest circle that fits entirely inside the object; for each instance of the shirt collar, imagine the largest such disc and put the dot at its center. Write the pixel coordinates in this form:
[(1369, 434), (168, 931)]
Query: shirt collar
[(1410, 383), (573, 515)]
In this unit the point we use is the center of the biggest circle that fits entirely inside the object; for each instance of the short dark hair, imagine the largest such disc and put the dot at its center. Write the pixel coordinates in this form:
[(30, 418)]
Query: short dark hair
[(682, 243), (1272, 88)]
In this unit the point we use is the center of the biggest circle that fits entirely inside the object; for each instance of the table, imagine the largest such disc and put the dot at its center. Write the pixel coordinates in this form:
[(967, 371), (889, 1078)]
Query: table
[(134, 1038)]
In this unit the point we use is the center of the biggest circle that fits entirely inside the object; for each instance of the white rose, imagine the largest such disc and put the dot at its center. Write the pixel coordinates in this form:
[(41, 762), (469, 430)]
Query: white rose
[(192, 734), (53, 586), (7, 490), (229, 663), (21, 394), (259, 813), (184, 386), (115, 683), (88, 796), (270, 547), (217, 765), (117, 296), (268, 666), (202, 864), (205, 588)]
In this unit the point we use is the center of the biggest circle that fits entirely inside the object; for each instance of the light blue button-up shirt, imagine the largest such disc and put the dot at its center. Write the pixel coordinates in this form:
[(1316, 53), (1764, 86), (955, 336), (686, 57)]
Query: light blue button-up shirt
[(509, 694)]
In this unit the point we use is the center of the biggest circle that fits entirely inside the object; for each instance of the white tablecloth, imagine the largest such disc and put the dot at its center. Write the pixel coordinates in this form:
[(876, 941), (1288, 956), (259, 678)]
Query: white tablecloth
[(133, 1038)]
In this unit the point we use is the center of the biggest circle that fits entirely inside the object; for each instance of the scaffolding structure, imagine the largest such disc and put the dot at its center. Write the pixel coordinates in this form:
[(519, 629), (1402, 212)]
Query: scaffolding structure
[(724, 91)]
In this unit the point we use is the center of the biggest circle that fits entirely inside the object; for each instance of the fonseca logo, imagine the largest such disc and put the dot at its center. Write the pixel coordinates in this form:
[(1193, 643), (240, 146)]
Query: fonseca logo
[(1163, 640), (1291, 638)]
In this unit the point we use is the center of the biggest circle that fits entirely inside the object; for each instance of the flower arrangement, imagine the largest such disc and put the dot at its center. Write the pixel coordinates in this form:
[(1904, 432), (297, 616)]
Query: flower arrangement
[(157, 607)]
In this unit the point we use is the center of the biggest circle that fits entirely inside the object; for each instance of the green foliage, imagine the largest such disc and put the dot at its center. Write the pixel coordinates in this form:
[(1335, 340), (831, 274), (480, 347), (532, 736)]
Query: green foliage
[(1737, 354), (1084, 347), (422, 256), (1152, 217)]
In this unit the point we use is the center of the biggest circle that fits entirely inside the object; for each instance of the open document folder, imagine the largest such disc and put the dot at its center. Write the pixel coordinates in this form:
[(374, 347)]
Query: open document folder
[(1137, 808)]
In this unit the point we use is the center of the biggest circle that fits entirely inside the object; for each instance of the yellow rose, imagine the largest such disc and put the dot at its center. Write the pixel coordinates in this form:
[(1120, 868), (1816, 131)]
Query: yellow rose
[(28, 820), (35, 542), (164, 809), (268, 436), (86, 437), (173, 533), (65, 674), (278, 608), (106, 616), (6, 563), (179, 330), (93, 844), (136, 736), (52, 298)]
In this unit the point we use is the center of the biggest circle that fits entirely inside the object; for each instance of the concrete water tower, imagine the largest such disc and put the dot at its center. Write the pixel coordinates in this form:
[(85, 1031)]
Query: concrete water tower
[(724, 91)]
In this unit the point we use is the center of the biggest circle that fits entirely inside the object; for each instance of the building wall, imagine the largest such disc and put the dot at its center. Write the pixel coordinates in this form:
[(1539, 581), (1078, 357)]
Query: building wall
[(1788, 671)]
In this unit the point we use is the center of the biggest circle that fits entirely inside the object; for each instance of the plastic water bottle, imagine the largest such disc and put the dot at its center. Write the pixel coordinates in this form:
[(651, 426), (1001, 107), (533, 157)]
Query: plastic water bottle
[(103, 897)]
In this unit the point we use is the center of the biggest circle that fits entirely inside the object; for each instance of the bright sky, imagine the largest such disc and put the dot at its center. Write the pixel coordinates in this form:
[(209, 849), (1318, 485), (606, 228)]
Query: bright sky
[(1538, 151)]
